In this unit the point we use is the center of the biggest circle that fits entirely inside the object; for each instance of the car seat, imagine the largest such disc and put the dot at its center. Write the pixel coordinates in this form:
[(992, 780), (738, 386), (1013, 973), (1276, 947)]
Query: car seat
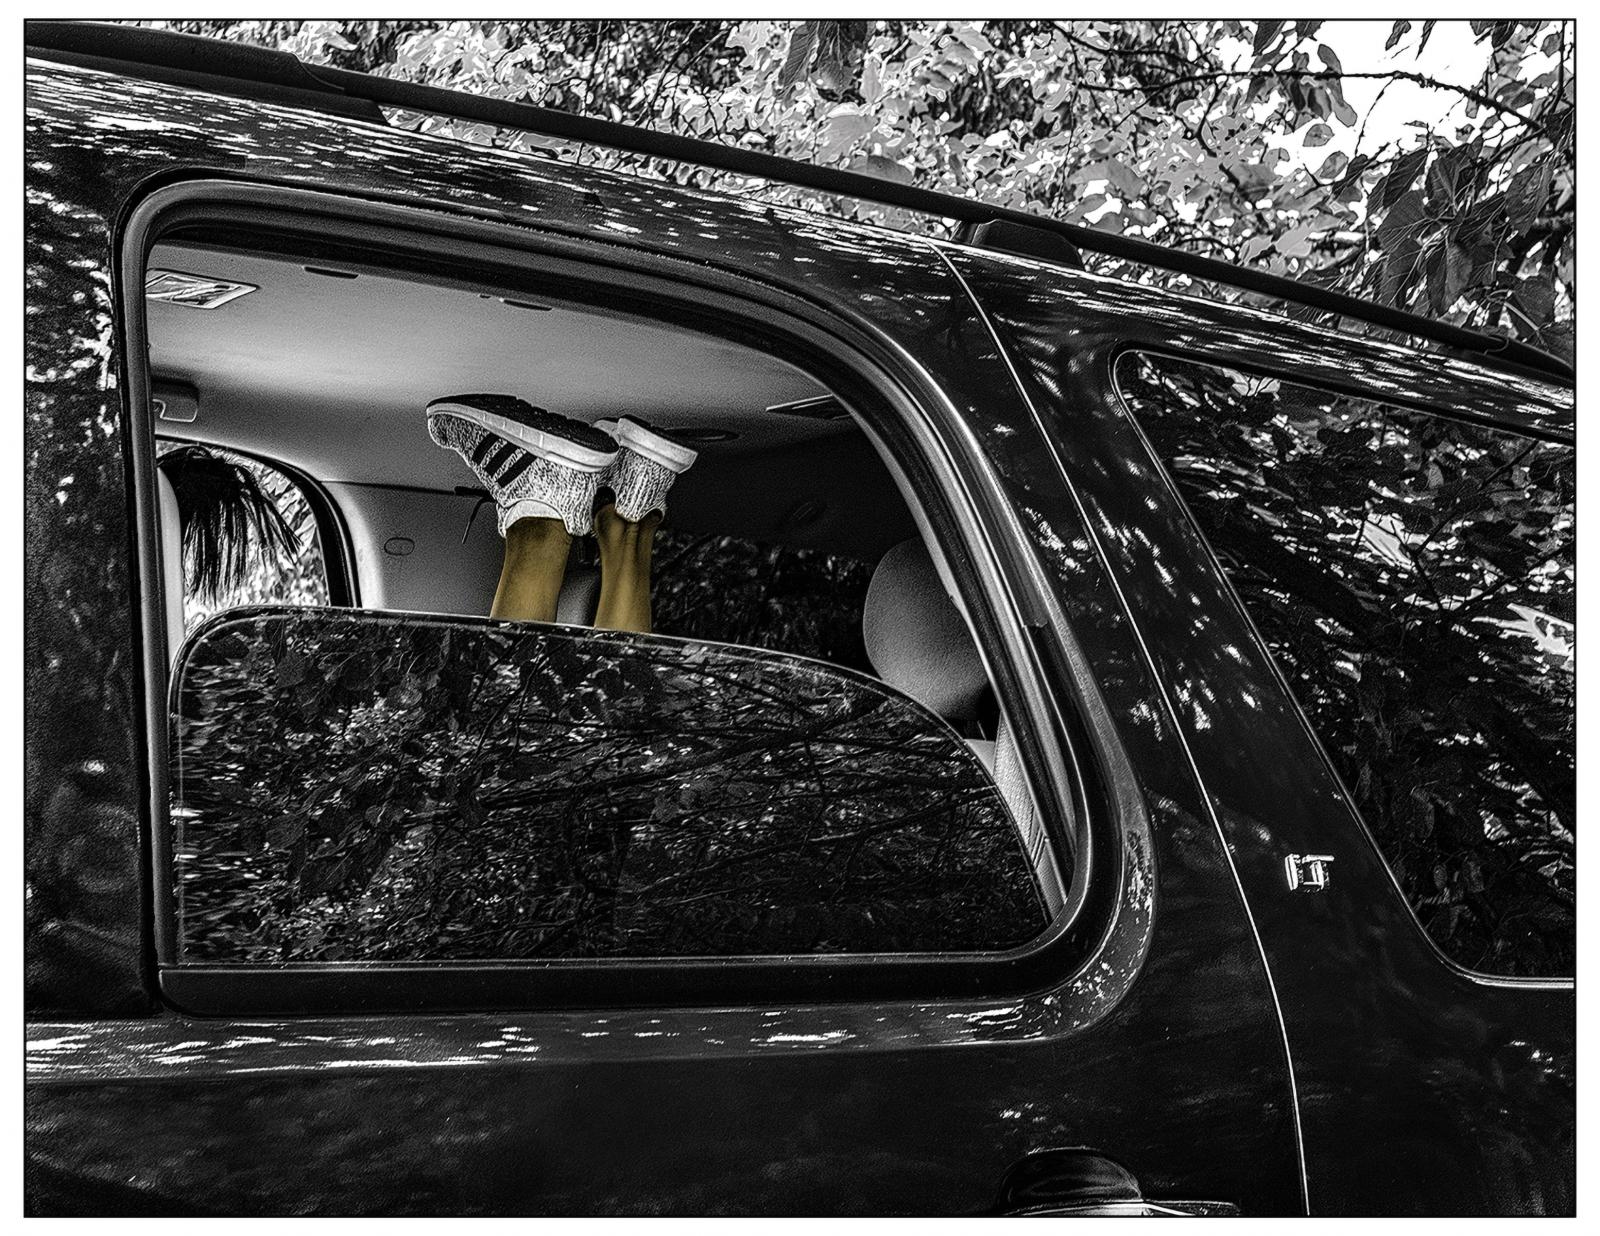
[(580, 593), (918, 642)]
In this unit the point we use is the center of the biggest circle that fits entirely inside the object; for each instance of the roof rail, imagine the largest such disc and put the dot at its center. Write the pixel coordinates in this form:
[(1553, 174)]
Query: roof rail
[(232, 68)]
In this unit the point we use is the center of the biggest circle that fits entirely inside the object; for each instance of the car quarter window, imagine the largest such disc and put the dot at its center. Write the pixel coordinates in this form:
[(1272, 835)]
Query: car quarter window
[(798, 753), (1413, 577)]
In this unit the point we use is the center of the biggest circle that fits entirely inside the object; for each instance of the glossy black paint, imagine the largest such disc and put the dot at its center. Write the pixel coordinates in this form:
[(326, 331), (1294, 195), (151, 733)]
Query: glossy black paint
[(82, 780), (1157, 1046), (1423, 1088), (815, 1087)]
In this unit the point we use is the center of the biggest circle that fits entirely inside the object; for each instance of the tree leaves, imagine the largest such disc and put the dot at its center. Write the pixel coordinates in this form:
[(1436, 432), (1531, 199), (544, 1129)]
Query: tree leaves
[(845, 126), (831, 46), (1402, 221), (1296, 242), (1192, 111), (884, 167), (1447, 269), (802, 46), (1400, 177)]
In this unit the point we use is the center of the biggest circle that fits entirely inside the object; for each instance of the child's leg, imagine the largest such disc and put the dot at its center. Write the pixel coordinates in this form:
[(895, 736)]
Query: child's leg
[(624, 569), (531, 573)]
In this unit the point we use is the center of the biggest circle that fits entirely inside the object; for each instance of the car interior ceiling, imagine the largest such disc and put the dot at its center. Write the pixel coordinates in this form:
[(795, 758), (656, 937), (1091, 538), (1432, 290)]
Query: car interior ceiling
[(327, 368)]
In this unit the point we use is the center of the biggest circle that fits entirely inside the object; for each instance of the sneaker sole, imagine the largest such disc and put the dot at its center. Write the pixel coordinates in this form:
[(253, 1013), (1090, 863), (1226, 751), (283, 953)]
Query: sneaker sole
[(535, 441), (673, 456)]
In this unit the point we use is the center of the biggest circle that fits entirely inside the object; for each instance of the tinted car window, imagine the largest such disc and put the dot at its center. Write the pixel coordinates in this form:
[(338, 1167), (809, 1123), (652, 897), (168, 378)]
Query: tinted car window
[(358, 786), (772, 596), (1413, 576)]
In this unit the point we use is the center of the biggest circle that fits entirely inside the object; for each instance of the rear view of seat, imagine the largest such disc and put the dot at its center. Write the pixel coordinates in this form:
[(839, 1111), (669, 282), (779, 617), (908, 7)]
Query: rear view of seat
[(580, 593), (919, 644)]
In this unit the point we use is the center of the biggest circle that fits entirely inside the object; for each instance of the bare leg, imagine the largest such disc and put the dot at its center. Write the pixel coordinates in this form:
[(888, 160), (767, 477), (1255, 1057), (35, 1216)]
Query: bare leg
[(530, 576), (624, 569)]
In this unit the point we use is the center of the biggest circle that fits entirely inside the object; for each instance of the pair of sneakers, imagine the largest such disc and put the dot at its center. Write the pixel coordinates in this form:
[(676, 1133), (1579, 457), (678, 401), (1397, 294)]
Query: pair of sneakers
[(538, 464)]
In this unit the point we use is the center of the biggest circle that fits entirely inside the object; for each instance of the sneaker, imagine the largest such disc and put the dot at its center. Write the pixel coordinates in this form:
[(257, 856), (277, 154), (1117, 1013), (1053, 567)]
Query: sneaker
[(533, 463), (649, 460)]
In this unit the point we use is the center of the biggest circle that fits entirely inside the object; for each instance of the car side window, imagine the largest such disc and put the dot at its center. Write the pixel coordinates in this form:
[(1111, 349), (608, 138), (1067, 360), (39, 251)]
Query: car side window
[(358, 786), (796, 751), (1414, 578)]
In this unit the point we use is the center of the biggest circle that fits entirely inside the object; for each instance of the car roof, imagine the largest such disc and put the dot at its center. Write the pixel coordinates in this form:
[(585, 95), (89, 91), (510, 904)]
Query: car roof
[(259, 72)]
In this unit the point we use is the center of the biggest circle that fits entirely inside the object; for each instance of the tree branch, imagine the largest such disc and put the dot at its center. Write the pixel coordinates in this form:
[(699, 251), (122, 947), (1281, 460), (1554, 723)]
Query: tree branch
[(1391, 75)]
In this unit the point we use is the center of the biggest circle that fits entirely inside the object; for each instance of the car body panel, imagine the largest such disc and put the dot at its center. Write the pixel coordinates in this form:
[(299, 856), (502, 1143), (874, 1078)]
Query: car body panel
[(1461, 1086), (853, 1106), (1161, 1049)]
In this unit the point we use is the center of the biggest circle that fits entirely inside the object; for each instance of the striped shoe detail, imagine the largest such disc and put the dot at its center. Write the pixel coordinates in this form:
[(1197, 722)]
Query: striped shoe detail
[(523, 481)]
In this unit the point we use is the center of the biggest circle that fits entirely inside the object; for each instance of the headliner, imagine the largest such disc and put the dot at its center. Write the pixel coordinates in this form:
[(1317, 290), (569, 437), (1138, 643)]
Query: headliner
[(331, 375)]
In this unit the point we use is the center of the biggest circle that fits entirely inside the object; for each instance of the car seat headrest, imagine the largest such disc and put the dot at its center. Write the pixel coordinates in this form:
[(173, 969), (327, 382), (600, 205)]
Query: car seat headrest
[(916, 638), (580, 593)]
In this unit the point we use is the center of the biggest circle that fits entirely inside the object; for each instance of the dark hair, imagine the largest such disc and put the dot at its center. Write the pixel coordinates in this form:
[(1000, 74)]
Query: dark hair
[(227, 517)]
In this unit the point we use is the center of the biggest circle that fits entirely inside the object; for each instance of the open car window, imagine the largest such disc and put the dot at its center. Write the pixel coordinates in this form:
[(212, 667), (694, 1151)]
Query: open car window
[(804, 757)]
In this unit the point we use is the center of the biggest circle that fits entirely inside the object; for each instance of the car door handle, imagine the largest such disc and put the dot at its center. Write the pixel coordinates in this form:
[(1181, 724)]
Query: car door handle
[(1083, 1183), (1107, 1208)]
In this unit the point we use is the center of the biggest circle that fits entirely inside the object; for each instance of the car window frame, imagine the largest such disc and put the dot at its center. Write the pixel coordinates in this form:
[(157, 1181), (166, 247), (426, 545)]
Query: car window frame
[(1086, 784)]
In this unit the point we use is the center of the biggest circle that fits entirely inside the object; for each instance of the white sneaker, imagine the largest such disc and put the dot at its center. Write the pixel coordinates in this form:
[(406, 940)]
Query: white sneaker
[(535, 464), (649, 460)]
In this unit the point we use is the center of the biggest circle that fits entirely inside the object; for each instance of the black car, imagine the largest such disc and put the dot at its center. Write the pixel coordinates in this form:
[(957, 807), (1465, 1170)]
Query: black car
[(1051, 881)]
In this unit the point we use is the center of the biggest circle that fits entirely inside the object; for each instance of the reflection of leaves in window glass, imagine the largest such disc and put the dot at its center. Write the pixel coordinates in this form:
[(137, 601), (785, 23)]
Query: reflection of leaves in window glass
[(352, 785), (1414, 577), (766, 595)]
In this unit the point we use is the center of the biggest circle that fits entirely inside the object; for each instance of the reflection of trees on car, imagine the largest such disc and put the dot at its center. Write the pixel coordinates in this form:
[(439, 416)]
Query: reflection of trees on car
[(81, 731), (356, 786), (1414, 578), (767, 595)]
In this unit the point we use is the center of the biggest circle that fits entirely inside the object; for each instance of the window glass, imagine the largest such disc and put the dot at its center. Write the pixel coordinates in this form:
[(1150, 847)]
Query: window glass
[(773, 596), (352, 786), (380, 785), (1414, 578)]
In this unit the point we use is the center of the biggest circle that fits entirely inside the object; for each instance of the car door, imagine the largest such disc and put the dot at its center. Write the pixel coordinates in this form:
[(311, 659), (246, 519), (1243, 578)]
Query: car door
[(1134, 1049), (1424, 1088)]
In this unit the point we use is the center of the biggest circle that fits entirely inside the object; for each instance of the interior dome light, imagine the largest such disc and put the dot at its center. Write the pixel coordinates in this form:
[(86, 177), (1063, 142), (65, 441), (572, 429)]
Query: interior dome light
[(195, 291)]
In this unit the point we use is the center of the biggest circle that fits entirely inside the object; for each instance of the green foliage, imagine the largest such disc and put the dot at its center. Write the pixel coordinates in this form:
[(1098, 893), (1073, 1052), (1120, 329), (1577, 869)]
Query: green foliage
[(1177, 131)]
